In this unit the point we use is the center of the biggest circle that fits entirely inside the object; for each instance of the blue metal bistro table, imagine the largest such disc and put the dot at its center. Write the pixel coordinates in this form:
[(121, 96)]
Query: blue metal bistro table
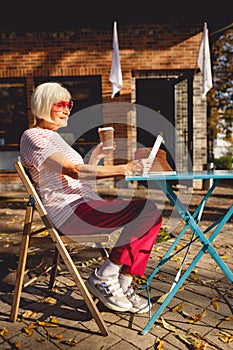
[(192, 222)]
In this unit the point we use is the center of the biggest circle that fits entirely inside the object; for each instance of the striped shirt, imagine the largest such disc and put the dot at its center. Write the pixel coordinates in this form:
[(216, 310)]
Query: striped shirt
[(59, 193)]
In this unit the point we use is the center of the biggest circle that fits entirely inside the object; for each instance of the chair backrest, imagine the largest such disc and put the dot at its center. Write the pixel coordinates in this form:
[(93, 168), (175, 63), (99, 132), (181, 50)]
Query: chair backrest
[(30, 188)]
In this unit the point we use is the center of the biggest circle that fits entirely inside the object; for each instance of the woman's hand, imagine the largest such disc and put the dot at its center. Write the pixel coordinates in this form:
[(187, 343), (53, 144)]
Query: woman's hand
[(138, 167), (99, 153)]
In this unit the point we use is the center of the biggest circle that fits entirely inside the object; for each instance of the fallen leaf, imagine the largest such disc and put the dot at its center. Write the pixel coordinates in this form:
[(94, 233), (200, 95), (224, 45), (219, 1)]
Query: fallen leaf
[(53, 335), (215, 305), (224, 257), (156, 249), (225, 333), (139, 280), (160, 276), (40, 340), (159, 344), (20, 318), (46, 324), (181, 288), (28, 330), (54, 320), (72, 341), (49, 300), (215, 298), (168, 326), (44, 233), (177, 258), (194, 276), (201, 337), (177, 308), (40, 264), (216, 246), (229, 246), (229, 318), (3, 331), (226, 339), (178, 247), (162, 298), (194, 318), (29, 314), (195, 343), (11, 270)]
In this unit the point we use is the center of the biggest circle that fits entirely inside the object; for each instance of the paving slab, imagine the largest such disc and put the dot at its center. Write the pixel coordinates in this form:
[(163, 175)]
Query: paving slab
[(206, 293)]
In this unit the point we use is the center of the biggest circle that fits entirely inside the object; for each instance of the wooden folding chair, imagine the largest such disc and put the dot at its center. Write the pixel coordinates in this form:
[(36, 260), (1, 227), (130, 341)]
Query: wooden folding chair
[(59, 241)]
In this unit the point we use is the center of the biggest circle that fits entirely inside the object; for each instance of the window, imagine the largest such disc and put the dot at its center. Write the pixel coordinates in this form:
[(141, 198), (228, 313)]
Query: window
[(13, 112)]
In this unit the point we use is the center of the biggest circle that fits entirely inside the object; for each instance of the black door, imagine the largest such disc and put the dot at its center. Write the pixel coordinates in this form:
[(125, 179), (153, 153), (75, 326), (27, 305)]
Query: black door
[(158, 95), (170, 98)]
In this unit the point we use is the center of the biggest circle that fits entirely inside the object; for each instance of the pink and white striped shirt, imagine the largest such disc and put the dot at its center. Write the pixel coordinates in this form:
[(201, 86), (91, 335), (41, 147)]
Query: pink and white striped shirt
[(59, 193)]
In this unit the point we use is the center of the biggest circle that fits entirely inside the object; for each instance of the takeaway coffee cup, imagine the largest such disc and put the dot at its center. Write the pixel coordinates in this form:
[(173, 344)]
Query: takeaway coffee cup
[(106, 135)]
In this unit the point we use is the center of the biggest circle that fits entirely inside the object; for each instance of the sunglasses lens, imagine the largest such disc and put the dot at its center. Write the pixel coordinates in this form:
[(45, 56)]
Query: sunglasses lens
[(63, 104), (60, 104)]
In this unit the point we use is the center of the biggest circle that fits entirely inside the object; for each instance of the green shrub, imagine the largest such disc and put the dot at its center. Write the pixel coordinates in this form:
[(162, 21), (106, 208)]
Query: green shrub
[(223, 163)]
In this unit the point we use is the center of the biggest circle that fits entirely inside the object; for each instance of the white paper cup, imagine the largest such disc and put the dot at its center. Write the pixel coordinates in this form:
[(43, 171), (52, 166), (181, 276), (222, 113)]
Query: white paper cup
[(106, 135)]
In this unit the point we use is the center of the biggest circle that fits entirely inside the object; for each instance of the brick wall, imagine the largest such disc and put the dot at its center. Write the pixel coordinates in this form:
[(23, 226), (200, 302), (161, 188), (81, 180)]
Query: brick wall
[(89, 52), (10, 182)]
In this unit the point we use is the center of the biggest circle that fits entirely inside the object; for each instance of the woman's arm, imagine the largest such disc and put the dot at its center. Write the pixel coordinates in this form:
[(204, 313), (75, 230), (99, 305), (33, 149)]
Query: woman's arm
[(57, 162)]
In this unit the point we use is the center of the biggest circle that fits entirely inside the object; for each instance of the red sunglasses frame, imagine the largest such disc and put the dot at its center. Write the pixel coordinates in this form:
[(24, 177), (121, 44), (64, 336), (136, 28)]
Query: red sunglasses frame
[(63, 104)]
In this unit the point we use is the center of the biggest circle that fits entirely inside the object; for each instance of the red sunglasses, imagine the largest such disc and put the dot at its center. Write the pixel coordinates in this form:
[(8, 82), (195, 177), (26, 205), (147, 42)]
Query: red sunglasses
[(63, 104)]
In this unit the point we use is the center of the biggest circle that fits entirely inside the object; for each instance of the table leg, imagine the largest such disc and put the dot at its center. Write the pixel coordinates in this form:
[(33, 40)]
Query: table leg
[(197, 213), (206, 246), (173, 291), (188, 218)]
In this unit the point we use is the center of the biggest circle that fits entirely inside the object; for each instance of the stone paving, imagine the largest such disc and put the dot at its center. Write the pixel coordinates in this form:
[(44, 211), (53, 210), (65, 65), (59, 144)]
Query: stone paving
[(201, 313)]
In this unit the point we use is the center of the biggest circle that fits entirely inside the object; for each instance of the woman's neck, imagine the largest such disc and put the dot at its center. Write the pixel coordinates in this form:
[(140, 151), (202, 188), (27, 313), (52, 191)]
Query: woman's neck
[(44, 124)]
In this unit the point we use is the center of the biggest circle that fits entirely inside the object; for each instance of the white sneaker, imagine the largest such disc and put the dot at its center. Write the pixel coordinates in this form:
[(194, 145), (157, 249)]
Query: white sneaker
[(140, 304), (109, 292)]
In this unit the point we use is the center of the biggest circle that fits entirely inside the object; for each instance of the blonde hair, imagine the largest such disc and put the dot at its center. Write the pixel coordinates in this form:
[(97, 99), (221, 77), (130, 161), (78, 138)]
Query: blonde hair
[(44, 96)]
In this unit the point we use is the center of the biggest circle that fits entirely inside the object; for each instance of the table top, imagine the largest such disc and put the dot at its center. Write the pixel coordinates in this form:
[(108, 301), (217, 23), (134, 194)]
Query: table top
[(184, 175)]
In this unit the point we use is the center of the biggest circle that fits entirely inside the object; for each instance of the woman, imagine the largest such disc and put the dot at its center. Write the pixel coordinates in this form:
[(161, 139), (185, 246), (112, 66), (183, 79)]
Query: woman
[(63, 183)]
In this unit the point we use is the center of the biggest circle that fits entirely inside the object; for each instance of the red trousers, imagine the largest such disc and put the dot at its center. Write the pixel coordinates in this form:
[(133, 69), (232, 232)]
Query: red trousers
[(141, 223)]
